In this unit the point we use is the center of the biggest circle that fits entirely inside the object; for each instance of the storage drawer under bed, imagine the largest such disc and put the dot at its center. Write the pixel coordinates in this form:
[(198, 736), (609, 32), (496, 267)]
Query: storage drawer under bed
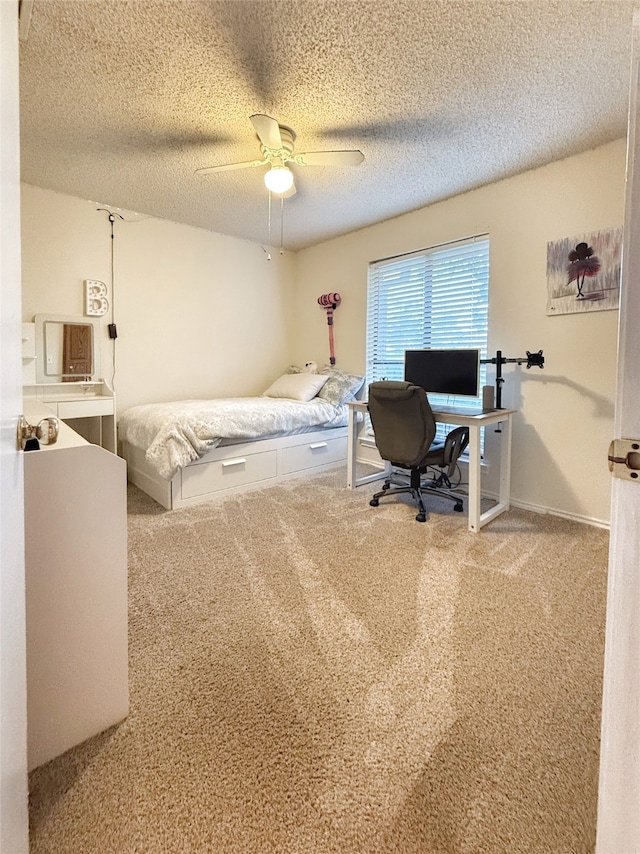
[(318, 452), (227, 473)]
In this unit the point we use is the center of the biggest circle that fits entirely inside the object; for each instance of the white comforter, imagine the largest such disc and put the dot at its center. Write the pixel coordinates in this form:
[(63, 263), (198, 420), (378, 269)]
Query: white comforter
[(175, 434)]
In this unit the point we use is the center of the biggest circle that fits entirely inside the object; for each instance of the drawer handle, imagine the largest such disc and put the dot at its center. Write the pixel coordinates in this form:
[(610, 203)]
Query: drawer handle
[(237, 462), (317, 445)]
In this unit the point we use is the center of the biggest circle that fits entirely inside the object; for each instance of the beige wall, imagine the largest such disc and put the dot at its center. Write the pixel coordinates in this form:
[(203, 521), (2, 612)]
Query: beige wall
[(198, 314), (565, 412)]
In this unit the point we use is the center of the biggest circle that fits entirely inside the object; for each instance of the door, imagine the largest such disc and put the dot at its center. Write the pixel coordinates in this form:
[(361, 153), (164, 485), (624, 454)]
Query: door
[(13, 742), (77, 358), (619, 789)]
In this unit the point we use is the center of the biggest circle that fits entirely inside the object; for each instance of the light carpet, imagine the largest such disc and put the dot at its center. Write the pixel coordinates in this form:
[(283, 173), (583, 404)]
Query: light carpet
[(312, 675)]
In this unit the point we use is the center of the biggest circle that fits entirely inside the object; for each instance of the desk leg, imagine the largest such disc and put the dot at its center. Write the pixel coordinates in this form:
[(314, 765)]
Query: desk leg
[(505, 465), (352, 456), (474, 478), (352, 438), (504, 494)]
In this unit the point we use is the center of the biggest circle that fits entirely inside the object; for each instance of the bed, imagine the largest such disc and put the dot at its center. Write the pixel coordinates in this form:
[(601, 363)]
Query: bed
[(184, 452)]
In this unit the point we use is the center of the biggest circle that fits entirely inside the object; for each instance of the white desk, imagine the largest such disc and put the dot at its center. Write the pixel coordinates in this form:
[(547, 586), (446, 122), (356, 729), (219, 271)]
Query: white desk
[(450, 415), (81, 403)]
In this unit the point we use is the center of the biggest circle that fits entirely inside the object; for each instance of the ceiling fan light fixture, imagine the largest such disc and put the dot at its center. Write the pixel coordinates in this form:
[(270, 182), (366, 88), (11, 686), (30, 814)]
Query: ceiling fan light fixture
[(279, 179)]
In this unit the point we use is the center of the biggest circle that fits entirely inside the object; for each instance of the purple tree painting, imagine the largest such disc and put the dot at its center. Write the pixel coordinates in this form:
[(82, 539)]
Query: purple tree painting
[(582, 263), (583, 272)]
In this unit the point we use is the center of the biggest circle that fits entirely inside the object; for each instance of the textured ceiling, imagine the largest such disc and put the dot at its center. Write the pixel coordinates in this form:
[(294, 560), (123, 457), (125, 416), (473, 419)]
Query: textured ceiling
[(121, 101)]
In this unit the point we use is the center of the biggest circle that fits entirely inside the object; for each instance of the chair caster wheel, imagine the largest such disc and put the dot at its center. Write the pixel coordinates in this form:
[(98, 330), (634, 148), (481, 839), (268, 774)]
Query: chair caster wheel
[(374, 502), (386, 486), (458, 508), (421, 517)]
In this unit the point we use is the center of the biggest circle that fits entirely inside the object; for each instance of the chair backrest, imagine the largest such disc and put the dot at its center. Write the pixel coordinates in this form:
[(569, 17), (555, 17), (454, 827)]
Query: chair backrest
[(402, 421), (454, 446)]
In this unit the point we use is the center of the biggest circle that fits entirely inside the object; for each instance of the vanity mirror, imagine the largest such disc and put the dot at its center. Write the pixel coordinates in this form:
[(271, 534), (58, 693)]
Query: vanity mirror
[(67, 349)]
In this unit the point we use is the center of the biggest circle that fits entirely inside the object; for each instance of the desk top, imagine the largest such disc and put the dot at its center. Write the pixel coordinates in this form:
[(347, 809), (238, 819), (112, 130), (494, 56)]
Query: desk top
[(447, 414), (61, 392), (470, 413)]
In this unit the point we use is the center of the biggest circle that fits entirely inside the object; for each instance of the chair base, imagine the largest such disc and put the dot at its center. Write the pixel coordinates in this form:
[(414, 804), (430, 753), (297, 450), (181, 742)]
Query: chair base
[(417, 490)]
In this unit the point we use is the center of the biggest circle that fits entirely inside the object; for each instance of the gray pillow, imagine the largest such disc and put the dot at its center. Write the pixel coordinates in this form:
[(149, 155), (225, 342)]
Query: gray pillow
[(340, 387)]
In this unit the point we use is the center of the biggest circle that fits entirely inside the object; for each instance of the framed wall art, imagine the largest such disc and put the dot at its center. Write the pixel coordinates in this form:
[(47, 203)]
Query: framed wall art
[(583, 273)]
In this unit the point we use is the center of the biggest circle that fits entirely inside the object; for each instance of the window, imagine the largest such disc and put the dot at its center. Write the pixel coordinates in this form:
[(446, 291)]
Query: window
[(435, 298)]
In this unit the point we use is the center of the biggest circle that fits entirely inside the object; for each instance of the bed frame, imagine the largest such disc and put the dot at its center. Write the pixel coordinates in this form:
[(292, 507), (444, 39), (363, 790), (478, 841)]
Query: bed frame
[(238, 467)]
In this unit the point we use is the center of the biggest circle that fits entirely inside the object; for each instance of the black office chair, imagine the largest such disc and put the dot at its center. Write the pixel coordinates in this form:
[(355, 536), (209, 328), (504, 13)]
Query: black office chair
[(404, 429)]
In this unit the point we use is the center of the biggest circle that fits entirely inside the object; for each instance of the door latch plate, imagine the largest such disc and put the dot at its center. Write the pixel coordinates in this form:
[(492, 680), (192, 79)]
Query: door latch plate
[(624, 458)]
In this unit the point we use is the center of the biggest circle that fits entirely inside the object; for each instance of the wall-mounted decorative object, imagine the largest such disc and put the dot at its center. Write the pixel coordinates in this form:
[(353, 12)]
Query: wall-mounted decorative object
[(583, 273), (95, 298), (329, 302)]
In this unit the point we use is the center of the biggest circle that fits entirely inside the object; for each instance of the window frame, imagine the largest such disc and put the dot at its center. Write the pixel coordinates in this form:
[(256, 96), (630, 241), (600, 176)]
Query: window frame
[(418, 293)]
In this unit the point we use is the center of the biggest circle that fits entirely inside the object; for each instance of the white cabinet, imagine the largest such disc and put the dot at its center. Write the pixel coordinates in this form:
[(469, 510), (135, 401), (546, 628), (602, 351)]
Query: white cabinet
[(76, 591)]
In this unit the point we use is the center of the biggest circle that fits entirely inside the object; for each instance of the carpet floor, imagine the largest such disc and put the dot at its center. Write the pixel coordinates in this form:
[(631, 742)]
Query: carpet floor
[(312, 675)]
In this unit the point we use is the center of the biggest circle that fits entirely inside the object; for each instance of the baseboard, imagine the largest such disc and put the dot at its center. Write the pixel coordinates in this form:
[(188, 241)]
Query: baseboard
[(367, 444), (547, 511), (550, 511)]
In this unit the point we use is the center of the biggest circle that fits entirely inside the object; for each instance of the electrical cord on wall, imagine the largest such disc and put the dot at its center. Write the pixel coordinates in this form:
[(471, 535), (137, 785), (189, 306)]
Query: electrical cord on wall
[(113, 334), (113, 331)]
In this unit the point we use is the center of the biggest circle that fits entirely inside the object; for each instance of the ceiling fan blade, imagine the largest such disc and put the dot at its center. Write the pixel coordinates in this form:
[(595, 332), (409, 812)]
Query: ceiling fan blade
[(227, 166), (268, 130), (329, 158)]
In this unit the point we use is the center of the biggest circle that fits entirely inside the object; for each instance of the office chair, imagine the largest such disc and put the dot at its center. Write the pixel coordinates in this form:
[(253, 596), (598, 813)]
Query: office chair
[(404, 429)]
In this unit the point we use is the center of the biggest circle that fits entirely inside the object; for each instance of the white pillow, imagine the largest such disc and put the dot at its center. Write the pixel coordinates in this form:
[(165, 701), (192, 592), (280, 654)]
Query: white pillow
[(296, 386)]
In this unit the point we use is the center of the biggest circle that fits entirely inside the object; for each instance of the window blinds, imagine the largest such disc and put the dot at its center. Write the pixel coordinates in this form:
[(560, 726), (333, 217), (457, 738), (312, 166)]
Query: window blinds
[(436, 298)]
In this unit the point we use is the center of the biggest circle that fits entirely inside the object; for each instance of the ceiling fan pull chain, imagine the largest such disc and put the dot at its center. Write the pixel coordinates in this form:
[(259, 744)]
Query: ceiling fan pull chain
[(282, 225), (269, 254)]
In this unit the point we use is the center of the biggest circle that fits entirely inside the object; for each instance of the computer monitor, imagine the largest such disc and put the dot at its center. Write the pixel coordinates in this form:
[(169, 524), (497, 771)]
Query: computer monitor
[(444, 371)]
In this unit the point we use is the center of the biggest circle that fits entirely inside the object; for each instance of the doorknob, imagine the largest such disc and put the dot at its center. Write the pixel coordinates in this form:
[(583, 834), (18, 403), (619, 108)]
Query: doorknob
[(45, 432)]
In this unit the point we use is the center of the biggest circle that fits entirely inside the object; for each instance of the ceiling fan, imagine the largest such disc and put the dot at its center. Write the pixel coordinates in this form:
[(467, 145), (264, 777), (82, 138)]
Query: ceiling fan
[(277, 149)]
